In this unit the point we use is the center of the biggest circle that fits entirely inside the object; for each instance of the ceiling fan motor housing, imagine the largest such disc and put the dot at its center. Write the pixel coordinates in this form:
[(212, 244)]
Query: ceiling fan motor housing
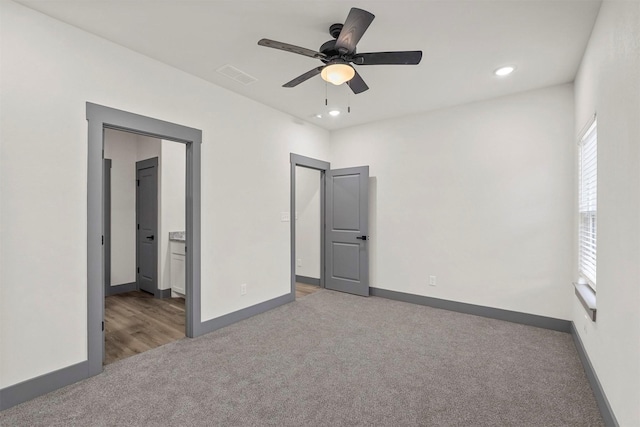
[(329, 49), (335, 29)]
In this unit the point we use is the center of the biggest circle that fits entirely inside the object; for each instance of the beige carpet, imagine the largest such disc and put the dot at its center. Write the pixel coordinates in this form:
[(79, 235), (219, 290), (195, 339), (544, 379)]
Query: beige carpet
[(332, 359)]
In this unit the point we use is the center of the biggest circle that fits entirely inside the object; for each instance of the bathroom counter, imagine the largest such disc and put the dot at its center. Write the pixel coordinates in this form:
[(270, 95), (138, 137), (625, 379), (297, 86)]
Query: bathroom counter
[(177, 236)]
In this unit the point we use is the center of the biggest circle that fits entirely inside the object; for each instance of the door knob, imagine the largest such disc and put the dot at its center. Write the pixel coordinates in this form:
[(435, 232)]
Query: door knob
[(150, 237), (361, 237)]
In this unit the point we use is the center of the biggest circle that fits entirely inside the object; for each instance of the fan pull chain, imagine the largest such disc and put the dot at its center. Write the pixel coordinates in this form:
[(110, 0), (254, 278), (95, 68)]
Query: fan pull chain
[(325, 94), (349, 101)]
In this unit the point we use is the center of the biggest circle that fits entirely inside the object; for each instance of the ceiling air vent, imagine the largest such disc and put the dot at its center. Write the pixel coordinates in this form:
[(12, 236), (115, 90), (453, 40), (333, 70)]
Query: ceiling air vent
[(237, 75)]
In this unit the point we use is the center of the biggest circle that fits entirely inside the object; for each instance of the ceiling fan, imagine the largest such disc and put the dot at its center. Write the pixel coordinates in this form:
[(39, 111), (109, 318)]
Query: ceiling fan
[(338, 54)]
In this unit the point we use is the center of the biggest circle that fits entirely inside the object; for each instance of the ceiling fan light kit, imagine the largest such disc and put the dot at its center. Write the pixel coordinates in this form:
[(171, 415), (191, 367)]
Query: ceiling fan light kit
[(337, 73), (337, 54)]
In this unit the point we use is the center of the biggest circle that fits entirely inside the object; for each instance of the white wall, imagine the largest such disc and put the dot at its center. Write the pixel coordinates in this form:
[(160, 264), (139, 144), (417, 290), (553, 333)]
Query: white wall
[(245, 183), (308, 222), (608, 83), (173, 172), (480, 196), (148, 148), (121, 148)]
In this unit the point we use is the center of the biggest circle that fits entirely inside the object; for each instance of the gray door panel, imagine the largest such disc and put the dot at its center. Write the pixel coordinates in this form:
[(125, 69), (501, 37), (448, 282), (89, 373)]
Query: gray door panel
[(347, 257), (147, 225), (106, 236), (346, 261), (106, 176), (346, 203)]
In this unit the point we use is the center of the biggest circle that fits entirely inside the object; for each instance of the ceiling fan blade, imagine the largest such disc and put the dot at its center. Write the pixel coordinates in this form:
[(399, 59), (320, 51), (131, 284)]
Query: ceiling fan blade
[(412, 57), (304, 77), (291, 48), (354, 27), (357, 85)]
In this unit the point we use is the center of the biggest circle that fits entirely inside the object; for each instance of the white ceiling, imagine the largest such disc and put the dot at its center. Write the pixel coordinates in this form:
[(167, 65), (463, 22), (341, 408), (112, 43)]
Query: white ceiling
[(463, 42)]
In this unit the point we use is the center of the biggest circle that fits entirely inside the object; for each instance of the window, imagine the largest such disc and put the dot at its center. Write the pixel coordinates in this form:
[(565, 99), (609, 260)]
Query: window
[(588, 205)]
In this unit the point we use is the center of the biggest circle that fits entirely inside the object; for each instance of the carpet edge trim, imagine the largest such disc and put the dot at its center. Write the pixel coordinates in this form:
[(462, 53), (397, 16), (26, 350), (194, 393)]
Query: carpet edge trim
[(515, 317), (46, 383), (554, 324), (242, 314), (601, 398), (308, 280), (30, 389)]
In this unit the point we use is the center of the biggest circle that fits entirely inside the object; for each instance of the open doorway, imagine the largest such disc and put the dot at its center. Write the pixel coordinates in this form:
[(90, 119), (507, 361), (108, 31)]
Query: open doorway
[(144, 215), (308, 230), (307, 225), (100, 119), (344, 222)]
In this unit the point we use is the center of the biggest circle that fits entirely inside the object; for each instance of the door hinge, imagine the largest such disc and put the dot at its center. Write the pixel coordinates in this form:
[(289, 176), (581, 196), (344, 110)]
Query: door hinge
[(102, 326), (138, 226), (138, 269), (103, 240)]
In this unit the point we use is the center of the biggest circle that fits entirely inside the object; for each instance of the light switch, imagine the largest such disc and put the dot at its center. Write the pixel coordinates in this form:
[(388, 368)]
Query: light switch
[(284, 216)]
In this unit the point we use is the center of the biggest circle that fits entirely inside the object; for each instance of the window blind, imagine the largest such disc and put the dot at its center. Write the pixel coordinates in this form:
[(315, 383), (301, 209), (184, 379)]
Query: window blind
[(588, 204)]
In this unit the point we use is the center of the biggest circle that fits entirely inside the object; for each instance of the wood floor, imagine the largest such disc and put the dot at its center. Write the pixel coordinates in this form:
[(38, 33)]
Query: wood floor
[(302, 290), (136, 321)]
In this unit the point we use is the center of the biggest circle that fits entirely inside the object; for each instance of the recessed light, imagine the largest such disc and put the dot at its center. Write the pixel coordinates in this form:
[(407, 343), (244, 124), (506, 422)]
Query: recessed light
[(504, 71), (334, 113), (318, 116)]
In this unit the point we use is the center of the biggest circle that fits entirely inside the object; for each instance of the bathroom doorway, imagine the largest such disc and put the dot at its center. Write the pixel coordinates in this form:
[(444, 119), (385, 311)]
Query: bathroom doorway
[(144, 214), (101, 118)]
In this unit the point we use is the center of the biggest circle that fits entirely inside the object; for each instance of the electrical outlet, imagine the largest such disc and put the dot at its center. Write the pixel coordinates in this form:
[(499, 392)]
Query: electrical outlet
[(299, 262), (243, 289), (284, 216), (432, 280)]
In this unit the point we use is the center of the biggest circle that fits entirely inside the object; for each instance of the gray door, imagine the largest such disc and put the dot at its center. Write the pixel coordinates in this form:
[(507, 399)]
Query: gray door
[(347, 228), (106, 191), (147, 225), (106, 236)]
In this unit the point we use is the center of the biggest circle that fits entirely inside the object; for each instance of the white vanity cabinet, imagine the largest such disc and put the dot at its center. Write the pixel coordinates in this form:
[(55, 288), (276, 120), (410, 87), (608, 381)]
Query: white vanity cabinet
[(178, 271)]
